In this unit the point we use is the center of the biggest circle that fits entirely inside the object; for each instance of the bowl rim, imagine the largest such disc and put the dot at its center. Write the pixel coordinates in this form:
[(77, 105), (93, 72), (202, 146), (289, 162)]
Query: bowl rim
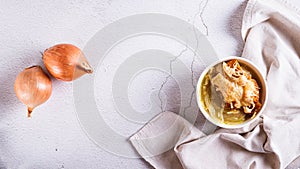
[(206, 114)]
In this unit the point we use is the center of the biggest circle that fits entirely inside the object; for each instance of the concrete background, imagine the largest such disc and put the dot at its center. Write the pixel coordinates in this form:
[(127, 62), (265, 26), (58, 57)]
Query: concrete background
[(53, 137)]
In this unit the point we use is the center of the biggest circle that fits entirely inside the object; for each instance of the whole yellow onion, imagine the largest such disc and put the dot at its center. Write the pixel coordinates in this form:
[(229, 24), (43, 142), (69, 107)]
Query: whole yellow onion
[(66, 62), (33, 87)]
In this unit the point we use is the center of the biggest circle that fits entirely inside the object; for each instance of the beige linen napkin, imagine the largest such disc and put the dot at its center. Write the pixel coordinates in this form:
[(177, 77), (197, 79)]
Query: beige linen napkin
[(271, 30)]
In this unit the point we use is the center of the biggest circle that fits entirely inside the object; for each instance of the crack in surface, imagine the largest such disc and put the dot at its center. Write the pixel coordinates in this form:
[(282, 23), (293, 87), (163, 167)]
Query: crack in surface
[(201, 17), (200, 13), (169, 76)]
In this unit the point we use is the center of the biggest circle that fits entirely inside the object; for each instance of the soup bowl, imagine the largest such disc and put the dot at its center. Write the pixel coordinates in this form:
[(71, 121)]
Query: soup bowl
[(213, 117)]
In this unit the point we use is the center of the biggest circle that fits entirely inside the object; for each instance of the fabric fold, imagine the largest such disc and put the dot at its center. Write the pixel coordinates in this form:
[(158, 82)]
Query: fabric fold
[(156, 140)]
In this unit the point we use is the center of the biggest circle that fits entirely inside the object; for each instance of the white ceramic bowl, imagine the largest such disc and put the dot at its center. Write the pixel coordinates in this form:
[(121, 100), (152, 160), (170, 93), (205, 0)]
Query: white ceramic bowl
[(258, 77)]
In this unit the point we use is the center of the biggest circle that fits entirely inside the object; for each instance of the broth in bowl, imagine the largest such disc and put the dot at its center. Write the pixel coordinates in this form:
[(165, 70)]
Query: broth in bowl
[(230, 92)]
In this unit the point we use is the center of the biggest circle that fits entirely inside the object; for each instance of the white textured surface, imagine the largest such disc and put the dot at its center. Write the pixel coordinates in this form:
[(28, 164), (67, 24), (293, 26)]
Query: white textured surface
[(53, 138)]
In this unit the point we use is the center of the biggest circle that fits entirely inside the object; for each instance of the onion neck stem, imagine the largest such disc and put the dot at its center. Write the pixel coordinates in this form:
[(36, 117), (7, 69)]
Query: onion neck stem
[(29, 110)]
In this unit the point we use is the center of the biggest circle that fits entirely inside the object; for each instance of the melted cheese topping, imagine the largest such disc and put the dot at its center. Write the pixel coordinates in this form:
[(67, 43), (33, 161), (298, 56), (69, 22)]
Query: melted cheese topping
[(237, 87)]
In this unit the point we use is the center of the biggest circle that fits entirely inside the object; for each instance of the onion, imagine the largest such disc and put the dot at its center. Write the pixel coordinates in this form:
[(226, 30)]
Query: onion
[(66, 62), (33, 87)]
